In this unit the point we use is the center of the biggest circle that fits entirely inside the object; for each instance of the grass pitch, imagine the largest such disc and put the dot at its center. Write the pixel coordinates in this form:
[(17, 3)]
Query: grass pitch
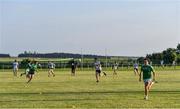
[(81, 91)]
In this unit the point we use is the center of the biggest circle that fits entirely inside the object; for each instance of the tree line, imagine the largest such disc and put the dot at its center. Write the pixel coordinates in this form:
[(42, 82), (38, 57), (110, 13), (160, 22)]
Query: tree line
[(5, 55), (58, 55), (167, 56)]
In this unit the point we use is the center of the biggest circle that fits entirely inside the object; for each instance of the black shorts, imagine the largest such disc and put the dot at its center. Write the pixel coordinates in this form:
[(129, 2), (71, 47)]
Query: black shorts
[(136, 69), (98, 71), (73, 68), (31, 72)]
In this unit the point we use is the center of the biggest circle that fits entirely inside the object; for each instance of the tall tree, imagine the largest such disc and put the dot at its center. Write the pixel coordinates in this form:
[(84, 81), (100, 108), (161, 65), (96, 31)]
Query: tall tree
[(169, 55), (178, 46)]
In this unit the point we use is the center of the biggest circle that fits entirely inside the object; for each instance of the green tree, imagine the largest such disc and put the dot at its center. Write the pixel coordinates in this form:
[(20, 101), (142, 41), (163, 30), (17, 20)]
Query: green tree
[(24, 63), (155, 57), (178, 46), (169, 55), (140, 60), (178, 59)]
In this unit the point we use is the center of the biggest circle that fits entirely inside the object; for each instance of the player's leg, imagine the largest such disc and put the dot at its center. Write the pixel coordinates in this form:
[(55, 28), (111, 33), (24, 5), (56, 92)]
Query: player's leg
[(97, 76), (52, 72), (134, 71), (23, 74), (137, 71), (74, 71), (71, 71), (114, 73), (27, 76), (49, 72), (147, 84), (14, 72), (30, 78), (104, 73), (146, 90), (26, 72), (150, 85)]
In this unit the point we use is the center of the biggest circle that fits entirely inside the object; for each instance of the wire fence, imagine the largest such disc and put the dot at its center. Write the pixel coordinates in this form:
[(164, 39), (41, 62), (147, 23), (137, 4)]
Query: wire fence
[(89, 66)]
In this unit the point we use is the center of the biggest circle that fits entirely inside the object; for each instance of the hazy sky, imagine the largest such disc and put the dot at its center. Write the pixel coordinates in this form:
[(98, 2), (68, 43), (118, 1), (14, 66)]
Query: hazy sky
[(122, 27)]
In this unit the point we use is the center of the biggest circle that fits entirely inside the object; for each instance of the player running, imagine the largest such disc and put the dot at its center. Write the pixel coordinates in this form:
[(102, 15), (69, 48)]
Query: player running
[(51, 67), (28, 65), (136, 71), (115, 67), (32, 70), (147, 69), (15, 67)]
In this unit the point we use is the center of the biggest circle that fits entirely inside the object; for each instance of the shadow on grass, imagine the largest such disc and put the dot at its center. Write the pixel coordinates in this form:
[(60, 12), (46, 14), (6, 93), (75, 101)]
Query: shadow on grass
[(80, 93), (90, 92), (55, 100)]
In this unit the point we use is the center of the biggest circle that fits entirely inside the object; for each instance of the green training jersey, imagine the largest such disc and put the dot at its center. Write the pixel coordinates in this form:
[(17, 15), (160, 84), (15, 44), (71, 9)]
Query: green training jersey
[(28, 66), (147, 69), (33, 68)]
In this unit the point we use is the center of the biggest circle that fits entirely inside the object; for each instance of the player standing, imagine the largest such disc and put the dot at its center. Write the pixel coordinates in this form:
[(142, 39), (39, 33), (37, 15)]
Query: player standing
[(115, 67), (73, 68), (98, 69), (147, 69), (51, 67), (174, 64), (15, 67), (162, 63)]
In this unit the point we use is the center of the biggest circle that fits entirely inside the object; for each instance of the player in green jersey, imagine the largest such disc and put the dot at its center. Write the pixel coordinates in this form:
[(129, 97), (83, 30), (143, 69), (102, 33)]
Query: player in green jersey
[(32, 70), (146, 71), (28, 65)]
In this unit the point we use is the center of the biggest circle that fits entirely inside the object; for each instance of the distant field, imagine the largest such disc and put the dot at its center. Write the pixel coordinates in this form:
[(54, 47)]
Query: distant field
[(81, 91), (38, 59)]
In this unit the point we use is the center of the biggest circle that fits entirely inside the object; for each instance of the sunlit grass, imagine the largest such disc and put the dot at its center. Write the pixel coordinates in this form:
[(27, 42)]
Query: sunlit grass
[(81, 91)]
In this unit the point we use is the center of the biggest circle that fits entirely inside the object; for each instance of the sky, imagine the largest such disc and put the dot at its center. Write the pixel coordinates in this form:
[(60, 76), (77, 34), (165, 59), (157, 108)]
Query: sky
[(102, 27)]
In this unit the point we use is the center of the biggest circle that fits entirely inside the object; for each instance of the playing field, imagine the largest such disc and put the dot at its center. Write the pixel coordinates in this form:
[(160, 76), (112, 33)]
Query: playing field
[(81, 91)]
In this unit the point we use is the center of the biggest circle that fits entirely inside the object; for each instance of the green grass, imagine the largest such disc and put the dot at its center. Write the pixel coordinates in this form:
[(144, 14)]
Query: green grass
[(64, 91)]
